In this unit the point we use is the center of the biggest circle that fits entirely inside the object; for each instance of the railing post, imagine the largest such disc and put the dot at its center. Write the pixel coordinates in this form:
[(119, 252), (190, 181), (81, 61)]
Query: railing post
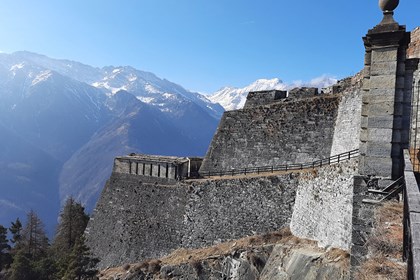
[(349, 155), (272, 169), (338, 159), (245, 171)]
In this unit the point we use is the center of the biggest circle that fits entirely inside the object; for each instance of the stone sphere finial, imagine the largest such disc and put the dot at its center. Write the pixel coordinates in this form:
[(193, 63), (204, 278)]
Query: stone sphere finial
[(388, 5)]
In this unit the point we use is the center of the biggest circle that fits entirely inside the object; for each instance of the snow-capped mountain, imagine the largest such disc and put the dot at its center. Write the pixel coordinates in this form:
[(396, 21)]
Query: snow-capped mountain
[(63, 122), (232, 98)]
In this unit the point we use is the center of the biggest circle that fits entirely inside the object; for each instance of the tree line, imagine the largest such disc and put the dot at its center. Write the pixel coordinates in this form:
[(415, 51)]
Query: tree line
[(28, 254)]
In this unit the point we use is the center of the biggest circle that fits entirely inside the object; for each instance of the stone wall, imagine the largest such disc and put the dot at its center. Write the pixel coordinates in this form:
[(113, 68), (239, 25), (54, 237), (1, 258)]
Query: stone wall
[(347, 124), (136, 220), (414, 46), (323, 206), (258, 98), (286, 132)]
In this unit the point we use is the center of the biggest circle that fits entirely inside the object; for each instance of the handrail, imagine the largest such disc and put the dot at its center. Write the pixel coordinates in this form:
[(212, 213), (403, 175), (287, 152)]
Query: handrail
[(284, 167), (411, 220)]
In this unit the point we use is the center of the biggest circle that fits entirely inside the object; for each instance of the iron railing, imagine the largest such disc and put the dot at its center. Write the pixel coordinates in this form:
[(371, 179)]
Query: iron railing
[(284, 167)]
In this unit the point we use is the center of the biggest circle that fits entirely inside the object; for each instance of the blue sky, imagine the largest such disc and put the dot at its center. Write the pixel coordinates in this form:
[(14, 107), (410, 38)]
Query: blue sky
[(201, 45)]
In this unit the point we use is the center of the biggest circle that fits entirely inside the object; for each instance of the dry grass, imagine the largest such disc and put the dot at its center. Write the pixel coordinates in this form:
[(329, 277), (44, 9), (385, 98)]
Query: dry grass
[(381, 268), (385, 245), (190, 255), (195, 256)]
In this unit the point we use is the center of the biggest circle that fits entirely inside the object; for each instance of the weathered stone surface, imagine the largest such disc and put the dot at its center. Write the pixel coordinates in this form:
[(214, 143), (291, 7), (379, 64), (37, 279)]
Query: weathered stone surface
[(289, 132), (323, 206), (140, 220), (414, 46), (300, 264), (258, 98), (347, 124)]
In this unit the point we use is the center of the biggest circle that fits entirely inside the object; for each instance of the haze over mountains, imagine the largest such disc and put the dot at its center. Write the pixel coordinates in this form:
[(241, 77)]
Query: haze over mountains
[(63, 122)]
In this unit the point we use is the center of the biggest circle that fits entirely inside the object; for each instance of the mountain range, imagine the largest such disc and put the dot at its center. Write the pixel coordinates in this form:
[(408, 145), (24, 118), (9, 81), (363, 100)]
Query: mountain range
[(62, 123)]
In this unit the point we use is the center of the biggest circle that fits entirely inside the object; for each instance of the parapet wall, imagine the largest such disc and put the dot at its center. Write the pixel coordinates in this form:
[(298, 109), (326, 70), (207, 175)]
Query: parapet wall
[(280, 133), (135, 220)]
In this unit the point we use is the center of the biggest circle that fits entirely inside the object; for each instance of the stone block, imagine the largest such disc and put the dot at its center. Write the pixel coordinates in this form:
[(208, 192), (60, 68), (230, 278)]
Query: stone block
[(365, 110), (364, 122), (400, 82), (363, 148), (381, 121), (381, 108), (382, 82), (396, 136), (384, 55), (366, 83), (383, 135), (378, 149), (364, 135), (386, 94), (377, 166), (383, 68)]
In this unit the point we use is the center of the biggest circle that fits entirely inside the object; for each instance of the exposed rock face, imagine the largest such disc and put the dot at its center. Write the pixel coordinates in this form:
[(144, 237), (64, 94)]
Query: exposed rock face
[(282, 262)]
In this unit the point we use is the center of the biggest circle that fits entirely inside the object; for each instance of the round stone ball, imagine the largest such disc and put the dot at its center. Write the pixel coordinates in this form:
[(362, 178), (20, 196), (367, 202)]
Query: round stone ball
[(388, 5)]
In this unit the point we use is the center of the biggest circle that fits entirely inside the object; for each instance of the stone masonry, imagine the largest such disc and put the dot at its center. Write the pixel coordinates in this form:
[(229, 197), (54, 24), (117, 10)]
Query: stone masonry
[(384, 110), (285, 132), (140, 217)]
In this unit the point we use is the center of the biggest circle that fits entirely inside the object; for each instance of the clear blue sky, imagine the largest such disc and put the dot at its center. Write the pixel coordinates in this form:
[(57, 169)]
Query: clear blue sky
[(202, 45)]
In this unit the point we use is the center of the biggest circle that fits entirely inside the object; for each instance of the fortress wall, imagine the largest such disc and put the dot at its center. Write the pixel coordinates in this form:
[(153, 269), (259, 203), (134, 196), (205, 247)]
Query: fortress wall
[(135, 220), (347, 124), (285, 132), (324, 205), (219, 210)]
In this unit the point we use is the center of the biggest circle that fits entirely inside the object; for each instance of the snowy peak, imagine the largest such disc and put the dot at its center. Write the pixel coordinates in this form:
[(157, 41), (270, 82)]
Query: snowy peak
[(232, 98)]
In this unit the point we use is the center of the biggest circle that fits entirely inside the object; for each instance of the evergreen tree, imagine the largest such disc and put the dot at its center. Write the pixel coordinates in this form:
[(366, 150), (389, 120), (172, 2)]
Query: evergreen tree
[(21, 268), (81, 264), (16, 231), (72, 224), (5, 258), (34, 240)]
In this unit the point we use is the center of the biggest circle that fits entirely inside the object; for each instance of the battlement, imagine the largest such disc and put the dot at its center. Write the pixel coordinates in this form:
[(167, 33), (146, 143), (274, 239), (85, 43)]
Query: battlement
[(257, 98), (167, 167)]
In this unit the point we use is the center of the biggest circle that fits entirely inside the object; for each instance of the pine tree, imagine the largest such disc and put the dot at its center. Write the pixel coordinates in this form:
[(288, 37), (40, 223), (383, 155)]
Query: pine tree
[(5, 258), (21, 268), (34, 240), (81, 264), (73, 221), (16, 231)]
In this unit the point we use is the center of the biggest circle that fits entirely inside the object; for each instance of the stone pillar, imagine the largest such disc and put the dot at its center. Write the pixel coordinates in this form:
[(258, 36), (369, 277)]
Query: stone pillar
[(382, 130)]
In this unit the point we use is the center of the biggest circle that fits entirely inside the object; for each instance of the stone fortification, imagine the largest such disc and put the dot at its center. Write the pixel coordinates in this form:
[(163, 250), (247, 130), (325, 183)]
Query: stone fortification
[(414, 46), (256, 98), (285, 132), (136, 220), (323, 206), (347, 124)]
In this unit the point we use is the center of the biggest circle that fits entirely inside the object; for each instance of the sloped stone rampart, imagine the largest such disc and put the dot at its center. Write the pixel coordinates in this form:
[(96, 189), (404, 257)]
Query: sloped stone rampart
[(134, 220), (280, 133), (324, 205), (347, 125)]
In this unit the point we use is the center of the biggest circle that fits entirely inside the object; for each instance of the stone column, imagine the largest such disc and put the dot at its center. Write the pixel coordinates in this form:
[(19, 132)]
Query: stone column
[(382, 129)]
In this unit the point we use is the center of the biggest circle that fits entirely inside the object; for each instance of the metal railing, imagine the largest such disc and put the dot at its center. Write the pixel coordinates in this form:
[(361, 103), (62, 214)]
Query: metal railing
[(284, 167), (411, 221)]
